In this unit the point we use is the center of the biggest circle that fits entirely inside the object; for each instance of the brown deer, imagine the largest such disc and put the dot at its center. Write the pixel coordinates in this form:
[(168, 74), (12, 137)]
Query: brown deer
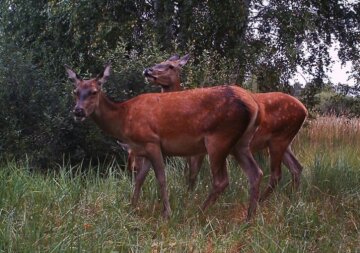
[(167, 73), (215, 121), (281, 119)]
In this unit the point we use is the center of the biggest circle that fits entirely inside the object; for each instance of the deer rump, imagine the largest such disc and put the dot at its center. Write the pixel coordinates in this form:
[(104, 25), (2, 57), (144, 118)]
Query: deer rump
[(181, 123)]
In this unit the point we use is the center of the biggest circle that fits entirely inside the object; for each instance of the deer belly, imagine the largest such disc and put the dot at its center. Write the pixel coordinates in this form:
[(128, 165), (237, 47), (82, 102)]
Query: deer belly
[(183, 146)]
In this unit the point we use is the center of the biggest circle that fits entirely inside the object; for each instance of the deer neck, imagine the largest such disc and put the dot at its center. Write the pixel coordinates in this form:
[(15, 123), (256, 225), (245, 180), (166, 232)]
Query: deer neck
[(110, 116), (174, 86), (177, 87)]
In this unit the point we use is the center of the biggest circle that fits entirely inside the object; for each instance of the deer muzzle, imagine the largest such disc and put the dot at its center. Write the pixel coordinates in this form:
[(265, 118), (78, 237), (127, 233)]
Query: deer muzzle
[(148, 74), (79, 114)]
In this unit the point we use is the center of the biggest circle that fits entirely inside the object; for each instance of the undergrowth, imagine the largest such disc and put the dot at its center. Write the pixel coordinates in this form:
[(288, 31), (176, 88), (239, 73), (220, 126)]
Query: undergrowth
[(72, 209)]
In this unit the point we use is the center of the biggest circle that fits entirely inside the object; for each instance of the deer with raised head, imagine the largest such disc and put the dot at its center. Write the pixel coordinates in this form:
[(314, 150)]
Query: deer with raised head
[(167, 73), (281, 119), (215, 121)]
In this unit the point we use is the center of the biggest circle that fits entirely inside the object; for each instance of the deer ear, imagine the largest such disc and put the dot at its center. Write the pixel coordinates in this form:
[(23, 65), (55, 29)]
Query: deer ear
[(175, 57), (104, 76), (184, 60), (72, 75)]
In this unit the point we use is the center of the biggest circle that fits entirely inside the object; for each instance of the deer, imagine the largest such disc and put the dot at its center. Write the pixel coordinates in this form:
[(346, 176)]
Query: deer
[(216, 121), (282, 116)]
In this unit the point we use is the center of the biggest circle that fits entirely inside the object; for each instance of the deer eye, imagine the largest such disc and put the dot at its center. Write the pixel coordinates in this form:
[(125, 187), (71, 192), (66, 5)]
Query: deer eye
[(93, 92), (171, 67)]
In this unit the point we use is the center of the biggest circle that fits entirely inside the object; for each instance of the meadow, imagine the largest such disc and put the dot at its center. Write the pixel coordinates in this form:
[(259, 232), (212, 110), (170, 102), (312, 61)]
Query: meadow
[(77, 209)]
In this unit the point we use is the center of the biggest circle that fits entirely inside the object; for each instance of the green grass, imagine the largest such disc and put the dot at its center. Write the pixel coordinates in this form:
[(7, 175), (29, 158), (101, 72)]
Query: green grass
[(74, 211)]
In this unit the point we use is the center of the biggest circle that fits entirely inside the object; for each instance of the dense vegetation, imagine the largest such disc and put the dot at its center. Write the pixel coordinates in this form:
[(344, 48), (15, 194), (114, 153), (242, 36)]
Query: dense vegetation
[(247, 42), (80, 199), (76, 210)]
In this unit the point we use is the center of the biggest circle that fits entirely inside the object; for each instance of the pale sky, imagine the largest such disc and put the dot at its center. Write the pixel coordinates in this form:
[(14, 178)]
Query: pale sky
[(340, 72), (337, 74)]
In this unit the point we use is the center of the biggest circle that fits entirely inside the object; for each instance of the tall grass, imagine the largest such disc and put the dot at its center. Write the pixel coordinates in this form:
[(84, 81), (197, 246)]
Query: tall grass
[(82, 210)]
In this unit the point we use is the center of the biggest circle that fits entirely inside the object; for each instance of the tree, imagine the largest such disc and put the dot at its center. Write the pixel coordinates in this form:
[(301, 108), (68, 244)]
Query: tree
[(229, 41)]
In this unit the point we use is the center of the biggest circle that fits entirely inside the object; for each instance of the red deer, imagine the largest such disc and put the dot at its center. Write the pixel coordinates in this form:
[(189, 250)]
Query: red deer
[(216, 121), (281, 118), (167, 73)]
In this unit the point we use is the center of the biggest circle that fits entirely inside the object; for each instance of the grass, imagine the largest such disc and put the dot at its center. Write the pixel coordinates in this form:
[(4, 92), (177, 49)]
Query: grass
[(75, 211)]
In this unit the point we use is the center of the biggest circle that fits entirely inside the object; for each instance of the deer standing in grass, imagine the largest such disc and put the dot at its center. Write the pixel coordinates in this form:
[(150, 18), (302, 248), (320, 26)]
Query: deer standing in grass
[(215, 121), (281, 119)]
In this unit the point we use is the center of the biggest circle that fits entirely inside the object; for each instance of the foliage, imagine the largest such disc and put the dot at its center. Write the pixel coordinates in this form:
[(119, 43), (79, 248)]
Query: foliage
[(341, 105), (79, 209), (265, 37), (231, 41), (331, 101)]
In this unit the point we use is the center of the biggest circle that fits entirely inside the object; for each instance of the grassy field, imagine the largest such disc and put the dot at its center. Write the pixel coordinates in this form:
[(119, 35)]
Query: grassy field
[(73, 211)]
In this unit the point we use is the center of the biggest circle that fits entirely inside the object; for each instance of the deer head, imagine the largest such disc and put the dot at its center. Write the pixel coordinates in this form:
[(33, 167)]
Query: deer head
[(87, 92), (167, 73)]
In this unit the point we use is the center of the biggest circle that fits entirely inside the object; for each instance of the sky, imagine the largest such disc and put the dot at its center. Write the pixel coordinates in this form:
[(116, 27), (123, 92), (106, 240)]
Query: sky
[(340, 72), (337, 73)]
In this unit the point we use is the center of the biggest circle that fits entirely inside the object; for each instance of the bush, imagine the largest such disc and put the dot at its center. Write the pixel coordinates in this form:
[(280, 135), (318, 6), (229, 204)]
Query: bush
[(37, 102), (334, 103)]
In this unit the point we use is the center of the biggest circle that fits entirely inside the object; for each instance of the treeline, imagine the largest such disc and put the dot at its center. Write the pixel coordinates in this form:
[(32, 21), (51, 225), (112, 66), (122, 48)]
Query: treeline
[(229, 41)]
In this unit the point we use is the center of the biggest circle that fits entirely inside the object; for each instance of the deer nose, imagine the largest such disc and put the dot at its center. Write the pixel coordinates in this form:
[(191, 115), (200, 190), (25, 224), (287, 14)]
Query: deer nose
[(147, 71), (79, 112)]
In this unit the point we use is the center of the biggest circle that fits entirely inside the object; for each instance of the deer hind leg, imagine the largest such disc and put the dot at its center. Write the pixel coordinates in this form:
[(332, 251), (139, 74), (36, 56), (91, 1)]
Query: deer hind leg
[(277, 150), (254, 175), (157, 161), (294, 167), (142, 171), (193, 166)]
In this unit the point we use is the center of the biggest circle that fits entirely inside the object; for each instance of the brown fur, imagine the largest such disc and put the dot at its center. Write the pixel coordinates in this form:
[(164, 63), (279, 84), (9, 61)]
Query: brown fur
[(281, 118), (215, 121)]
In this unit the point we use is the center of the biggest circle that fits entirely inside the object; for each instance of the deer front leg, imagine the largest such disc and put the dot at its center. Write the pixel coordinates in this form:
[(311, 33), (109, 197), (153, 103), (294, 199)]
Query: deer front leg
[(294, 167), (277, 149), (143, 169), (254, 175), (220, 181), (193, 165), (156, 158), (218, 149)]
